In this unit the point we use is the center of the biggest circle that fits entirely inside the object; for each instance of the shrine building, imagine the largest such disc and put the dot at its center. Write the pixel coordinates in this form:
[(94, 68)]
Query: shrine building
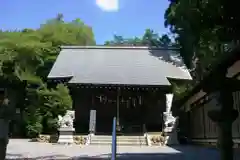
[(129, 83)]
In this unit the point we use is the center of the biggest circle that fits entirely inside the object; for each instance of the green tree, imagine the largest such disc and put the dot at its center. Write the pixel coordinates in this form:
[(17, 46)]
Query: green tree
[(54, 102), (43, 115), (149, 38), (26, 57), (203, 29)]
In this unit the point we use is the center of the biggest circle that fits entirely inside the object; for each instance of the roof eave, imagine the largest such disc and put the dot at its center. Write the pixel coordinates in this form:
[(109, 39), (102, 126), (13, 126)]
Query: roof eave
[(119, 47)]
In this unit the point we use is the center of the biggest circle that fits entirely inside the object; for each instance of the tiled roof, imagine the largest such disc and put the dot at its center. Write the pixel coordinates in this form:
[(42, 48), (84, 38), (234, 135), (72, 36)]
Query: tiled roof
[(118, 65)]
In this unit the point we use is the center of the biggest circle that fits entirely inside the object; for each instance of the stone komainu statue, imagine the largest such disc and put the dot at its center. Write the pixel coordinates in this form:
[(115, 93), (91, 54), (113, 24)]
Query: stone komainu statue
[(170, 122), (67, 120)]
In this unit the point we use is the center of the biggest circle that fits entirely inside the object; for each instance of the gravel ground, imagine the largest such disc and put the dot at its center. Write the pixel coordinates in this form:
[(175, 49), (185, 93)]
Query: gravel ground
[(22, 149)]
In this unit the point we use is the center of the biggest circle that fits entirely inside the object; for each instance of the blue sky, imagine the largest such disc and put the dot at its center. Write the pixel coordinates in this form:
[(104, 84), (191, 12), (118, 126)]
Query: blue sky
[(108, 17)]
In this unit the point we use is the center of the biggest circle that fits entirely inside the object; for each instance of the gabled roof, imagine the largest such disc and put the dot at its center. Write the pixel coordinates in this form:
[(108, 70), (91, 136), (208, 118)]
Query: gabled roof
[(118, 65)]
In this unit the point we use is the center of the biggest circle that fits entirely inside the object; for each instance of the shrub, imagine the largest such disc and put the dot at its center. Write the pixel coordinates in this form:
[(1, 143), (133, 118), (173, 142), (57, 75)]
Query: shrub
[(42, 115), (33, 124), (54, 102)]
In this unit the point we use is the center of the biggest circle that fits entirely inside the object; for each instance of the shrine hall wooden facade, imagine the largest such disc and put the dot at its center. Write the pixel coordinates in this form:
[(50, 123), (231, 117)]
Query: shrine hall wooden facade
[(193, 109), (127, 82)]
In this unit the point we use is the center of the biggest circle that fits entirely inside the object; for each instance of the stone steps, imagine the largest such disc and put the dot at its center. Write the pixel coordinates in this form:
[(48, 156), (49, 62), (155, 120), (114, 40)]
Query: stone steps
[(121, 140)]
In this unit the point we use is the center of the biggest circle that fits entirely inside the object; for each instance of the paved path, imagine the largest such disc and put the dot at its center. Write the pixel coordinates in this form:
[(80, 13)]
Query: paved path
[(22, 149)]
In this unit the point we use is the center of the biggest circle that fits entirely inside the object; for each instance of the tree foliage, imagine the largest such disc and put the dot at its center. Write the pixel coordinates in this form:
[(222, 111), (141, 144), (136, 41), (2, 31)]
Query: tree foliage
[(204, 30), (27, 56), (149, 38), (43, 115)]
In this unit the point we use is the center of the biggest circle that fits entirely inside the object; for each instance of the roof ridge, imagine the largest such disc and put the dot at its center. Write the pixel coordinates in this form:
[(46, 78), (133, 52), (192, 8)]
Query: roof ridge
[(119, 47)]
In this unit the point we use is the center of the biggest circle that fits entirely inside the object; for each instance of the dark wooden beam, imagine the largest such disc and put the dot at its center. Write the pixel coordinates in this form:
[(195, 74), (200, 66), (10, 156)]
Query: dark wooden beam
[(165, 89)]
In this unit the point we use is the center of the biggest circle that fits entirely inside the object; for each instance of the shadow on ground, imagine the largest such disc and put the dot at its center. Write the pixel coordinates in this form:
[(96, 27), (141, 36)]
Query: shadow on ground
[(124, 156), (138, 156), (182, 153), (50, 157)]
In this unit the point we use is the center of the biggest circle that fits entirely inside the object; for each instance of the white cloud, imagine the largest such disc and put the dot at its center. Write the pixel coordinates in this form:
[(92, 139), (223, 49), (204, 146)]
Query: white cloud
[(108, 5)]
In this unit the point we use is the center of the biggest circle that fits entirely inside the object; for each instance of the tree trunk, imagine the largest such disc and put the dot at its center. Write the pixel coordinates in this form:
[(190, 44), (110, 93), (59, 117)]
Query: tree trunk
[(4, 125), (3, 149), (8, 112)]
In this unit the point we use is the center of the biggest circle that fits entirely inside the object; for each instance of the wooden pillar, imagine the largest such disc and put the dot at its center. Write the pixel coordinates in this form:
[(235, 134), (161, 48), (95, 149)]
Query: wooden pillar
[(203, 122), (118, 126)]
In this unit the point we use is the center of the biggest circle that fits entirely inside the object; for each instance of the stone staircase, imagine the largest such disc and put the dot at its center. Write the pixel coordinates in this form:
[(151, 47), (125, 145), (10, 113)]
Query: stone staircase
[(121, 140)]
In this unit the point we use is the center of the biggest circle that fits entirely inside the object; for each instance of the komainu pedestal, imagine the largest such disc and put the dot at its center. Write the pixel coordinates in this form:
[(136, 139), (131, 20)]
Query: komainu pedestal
[(66, 129), (170, 129)]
